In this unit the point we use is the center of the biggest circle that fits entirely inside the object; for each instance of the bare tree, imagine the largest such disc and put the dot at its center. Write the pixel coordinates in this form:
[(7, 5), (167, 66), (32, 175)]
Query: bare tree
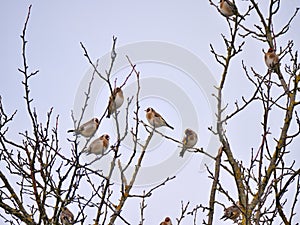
[(46, 181), (261, 186)]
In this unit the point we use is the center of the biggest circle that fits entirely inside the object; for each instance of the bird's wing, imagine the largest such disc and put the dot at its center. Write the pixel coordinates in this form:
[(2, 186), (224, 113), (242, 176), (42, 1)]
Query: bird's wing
[(185, 140), (158, 116), (230, 4)]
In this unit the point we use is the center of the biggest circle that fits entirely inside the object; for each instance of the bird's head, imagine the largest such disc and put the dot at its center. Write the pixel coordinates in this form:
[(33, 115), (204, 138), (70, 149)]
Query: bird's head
[(118, 89), (106, 136), (149, 109), (188, 131), (167, 219)]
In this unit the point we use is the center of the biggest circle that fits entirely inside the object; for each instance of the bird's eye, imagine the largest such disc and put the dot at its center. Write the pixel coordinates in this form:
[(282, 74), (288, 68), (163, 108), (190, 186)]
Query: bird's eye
[(148, 109), (107, 137), (96, 120)]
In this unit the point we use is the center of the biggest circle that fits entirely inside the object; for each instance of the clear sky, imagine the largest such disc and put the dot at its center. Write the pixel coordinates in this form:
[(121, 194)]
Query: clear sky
[(170, 41)]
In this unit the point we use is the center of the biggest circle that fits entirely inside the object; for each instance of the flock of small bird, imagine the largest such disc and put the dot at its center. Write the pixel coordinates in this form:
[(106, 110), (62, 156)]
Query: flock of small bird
[(101, 144)]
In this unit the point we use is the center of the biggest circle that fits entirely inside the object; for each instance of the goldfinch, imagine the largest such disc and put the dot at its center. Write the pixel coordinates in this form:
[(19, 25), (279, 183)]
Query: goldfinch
[(167, 221), (233, 212), (271, 58), (66, 216), (98, 146), (87, 129), (155, 119), (115, 101), (228, 8), (189, 140)]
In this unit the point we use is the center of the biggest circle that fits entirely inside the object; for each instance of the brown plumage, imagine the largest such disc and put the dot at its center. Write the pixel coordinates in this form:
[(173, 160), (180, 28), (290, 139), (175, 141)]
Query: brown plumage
[(115, 101), (189, 140), (66, 216), (271, 58), (167, 221), (228, 8), (155, 119), (87, 129), (98, 146), (233, 212)]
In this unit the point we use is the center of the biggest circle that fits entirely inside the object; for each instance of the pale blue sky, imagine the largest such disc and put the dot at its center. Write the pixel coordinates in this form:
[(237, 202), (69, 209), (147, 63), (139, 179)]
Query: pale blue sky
[(54, 31)]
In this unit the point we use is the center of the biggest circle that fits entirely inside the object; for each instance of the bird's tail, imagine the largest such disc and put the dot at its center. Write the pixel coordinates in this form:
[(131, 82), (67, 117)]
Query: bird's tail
[(182, 151), (86, 150), (67, 220), (224, 217), (170, 126)]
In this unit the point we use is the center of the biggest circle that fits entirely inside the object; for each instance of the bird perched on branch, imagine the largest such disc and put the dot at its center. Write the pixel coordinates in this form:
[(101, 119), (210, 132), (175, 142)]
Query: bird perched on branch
[(155, 119), (228, 8), (66, 216), (233, 212), (189, 140), (271, 58), (167, 221), (98, 146), (115, 101), (87, 129)]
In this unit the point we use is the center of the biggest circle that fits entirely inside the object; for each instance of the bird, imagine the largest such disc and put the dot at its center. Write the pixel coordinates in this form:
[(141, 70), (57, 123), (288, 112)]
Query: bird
[(189, 140), (66, 216), (271, 58), (87, 129), (115, 101), (155, 119), (167, 221), (233, 212), (228, 8), (98, 146)]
